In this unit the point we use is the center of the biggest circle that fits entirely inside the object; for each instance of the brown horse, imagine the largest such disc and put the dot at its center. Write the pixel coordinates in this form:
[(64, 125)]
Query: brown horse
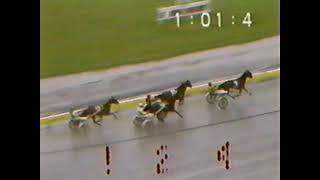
[(177, 94), (161, 109), (238, 83), (100, 110)]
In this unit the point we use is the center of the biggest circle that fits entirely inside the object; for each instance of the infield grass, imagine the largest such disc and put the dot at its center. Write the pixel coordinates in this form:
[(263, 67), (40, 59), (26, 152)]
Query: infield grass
[(87, 35)]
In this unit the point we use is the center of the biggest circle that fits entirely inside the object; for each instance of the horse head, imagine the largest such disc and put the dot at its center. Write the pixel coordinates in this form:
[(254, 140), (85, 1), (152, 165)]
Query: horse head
[(113, 100), (187, 83), (107, 105), (184, 85), (248, 74)]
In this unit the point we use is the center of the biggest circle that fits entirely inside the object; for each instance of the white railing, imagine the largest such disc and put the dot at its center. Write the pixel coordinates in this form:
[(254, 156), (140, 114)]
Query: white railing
[(188, 9)]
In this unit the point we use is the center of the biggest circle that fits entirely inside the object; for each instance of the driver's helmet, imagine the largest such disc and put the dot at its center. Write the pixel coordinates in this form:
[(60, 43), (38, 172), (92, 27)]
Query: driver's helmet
[(140, 104)]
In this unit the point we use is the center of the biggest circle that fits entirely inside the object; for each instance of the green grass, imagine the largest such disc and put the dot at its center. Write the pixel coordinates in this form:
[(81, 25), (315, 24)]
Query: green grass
[(54, 121), (82, 35), (190, 92)]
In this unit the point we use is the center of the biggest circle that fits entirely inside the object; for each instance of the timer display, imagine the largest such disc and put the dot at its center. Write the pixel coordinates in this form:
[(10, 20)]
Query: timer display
[(206, 19)]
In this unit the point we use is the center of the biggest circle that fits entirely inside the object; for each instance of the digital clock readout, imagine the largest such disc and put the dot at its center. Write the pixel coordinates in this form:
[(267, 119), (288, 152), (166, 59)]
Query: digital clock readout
[(206, 19)]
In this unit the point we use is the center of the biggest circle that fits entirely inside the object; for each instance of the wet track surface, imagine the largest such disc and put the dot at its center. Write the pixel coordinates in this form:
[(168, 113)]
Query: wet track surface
[(60, 94), (251, 124)]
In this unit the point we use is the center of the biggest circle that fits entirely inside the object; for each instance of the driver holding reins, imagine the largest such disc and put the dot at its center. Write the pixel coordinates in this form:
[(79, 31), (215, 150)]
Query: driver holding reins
[(140, 109), (143, 109), (142, 112)]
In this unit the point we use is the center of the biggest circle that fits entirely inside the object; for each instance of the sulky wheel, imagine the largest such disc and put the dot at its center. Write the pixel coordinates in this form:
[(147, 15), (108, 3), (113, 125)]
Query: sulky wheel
[(73, 125), (222, 103), (147, 124), (135, 122), (210, 98), (70, 125)]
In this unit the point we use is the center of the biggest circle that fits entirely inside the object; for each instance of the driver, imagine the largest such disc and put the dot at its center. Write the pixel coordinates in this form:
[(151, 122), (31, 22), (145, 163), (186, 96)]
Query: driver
[(76, 119), (148, 99), (148, 102), (140, 109), (142, 112), (211, 89)]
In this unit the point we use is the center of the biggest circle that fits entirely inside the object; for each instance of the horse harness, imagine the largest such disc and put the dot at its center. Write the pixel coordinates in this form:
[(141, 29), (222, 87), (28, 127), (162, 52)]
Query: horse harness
[(98, 109), (236, 83), (173, 92)]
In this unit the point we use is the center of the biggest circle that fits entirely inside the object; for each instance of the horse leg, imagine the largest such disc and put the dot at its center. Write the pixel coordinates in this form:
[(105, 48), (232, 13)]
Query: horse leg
[(100, 116), (240, 92), (114, 115), (94, 120), (230, 95), (247, 91), (181, 100), (178, 113)]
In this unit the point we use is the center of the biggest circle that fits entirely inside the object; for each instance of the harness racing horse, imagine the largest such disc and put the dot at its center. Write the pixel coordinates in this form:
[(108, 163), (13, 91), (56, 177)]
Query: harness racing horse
[(100, 110), (238, 84), (177, 94), (161, 109)]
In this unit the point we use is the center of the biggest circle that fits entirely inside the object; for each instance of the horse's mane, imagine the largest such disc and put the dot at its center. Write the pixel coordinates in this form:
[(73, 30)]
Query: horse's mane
[(243, 78), (243, 75), (182, 85), (107, 104)]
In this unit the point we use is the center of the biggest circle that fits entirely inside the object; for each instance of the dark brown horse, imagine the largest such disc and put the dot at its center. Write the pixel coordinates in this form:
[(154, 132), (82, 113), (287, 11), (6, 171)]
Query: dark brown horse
[(161, 109), (238, 83), (177, 94), (100, 110)]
